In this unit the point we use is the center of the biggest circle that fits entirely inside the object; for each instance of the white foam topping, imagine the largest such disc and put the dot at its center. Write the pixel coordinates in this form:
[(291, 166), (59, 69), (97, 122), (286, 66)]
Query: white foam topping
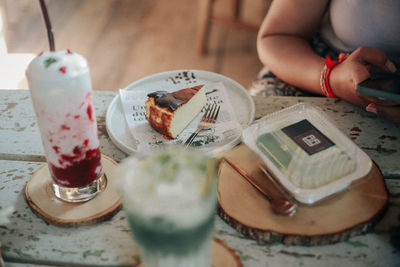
[(48, 66)]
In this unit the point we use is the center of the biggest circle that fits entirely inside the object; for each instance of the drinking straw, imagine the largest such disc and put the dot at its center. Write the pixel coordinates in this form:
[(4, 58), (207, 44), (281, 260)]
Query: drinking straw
[(48, 25)]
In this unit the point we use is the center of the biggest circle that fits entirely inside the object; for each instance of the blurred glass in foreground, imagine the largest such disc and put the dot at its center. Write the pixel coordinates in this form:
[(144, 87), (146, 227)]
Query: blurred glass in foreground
[(170, 200)]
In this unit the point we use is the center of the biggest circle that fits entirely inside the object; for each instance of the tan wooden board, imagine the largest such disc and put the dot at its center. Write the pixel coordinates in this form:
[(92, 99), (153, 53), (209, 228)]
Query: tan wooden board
[(222, 255), (336, 218), (41, 199)]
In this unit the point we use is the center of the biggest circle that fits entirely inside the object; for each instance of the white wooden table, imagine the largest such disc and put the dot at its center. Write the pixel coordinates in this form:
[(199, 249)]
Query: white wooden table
[(28, 240)]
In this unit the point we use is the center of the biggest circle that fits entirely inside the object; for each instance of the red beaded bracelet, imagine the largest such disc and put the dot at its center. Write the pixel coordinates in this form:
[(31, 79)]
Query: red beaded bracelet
[(326, 72)]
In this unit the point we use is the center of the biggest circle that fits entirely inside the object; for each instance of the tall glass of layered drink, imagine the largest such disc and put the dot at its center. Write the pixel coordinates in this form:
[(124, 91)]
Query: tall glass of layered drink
[(170, 201), (61, 93)]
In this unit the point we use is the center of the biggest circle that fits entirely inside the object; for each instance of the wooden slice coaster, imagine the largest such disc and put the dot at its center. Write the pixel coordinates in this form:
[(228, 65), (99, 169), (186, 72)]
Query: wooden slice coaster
[(336, 218), (222, 255), (41, 199)]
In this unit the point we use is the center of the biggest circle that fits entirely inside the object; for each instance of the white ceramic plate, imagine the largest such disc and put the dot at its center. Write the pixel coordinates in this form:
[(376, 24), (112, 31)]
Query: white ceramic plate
[(240, 99)]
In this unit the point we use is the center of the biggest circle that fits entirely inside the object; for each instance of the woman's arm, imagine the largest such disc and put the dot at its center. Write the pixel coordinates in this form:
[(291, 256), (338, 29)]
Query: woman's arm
[(283, 42), (283, 46)]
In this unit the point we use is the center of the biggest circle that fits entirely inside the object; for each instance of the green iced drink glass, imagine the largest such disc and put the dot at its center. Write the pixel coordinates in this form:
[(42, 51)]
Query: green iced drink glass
[(170, 201)]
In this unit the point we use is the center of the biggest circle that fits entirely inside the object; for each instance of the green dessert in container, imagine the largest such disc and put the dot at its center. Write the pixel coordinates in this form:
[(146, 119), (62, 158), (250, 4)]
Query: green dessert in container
[(306, 153), (301, 168)]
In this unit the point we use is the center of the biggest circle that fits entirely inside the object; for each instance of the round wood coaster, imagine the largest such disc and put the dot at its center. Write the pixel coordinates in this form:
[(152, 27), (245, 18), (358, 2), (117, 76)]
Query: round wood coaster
[(336, 218), (41, 199), (222, 255)]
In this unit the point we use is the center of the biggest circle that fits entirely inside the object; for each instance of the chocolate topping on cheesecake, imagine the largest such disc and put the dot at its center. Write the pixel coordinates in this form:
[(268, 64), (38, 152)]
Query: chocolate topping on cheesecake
[(175, 99), (170, 113)]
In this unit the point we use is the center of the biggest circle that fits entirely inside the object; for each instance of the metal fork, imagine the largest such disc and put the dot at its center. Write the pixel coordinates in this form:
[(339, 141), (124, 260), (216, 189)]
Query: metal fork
[(207, 121)]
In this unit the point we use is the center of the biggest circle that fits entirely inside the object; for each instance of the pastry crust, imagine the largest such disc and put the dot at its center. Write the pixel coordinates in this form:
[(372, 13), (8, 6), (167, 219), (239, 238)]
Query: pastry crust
[(160, 118)]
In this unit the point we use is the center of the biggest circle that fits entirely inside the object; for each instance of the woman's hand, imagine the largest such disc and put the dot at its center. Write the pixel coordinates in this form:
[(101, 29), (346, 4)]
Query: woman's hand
[(283, 47), (389, 112), (355, 69)]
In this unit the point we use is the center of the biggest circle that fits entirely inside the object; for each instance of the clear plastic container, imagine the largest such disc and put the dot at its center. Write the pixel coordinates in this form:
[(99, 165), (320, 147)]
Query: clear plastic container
[(310, 157)]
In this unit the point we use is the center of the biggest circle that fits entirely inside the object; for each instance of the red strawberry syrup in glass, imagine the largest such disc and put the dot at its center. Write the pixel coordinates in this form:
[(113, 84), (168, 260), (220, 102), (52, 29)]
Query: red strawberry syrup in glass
[(78, 172)]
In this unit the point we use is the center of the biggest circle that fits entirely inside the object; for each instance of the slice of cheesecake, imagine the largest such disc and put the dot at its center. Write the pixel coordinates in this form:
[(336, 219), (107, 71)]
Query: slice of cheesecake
[(170, 113)]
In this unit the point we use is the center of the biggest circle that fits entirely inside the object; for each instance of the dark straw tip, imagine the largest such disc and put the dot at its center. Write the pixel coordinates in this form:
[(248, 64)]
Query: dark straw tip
[(47, 22)]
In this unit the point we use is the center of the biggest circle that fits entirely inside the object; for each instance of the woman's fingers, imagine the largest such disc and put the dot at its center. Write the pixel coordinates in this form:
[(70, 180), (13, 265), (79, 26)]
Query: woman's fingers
[(373, 56), (390, 112), (360, 73), (390, 66)]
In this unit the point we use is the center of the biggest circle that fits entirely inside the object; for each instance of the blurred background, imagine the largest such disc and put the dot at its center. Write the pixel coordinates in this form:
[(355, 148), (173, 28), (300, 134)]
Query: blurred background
[(125, 40)]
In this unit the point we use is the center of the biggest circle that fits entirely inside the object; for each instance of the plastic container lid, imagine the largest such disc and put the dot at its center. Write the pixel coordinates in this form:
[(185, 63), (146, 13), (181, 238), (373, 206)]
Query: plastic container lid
[(310, 157)]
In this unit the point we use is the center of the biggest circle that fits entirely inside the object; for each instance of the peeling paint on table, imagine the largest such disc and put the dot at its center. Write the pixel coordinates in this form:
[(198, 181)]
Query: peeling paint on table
[(29, 239), (109, 243), (379, 138), (19, 133)]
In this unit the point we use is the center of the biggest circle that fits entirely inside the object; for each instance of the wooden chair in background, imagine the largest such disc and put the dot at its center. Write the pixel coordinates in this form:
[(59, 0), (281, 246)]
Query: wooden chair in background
[(230, 21)]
